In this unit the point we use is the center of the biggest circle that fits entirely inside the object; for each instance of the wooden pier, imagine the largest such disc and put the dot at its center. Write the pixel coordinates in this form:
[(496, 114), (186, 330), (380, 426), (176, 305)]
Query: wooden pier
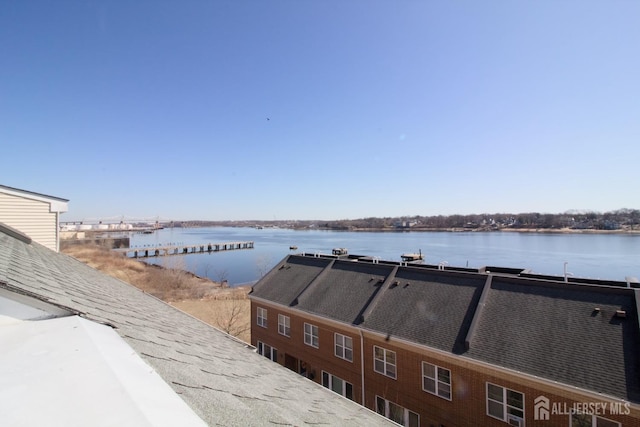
[(155, 251)]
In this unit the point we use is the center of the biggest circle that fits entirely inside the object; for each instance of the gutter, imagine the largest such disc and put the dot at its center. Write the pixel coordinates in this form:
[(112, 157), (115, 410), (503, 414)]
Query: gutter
[(362, 365)]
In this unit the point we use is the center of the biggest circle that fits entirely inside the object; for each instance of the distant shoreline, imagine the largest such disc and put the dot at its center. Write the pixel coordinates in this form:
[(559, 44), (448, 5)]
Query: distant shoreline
[(636, 231), (476, 230), (570, 231)]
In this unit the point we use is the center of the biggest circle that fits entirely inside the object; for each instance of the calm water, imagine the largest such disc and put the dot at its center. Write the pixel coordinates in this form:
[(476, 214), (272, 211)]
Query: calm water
[(612, 256)]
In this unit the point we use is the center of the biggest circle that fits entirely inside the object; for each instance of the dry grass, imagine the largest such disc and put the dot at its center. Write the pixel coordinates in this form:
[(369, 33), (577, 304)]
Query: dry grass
[(229, 315), (220, 306)]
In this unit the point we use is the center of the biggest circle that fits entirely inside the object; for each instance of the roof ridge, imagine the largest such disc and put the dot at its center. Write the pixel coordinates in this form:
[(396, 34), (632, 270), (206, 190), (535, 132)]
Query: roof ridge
[(375, 299), (313, 282), (15, 233), (473, 326), (32, 193)]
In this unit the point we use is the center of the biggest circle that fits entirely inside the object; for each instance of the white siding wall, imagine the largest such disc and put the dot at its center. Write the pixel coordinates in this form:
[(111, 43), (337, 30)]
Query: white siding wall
[(31, 217)]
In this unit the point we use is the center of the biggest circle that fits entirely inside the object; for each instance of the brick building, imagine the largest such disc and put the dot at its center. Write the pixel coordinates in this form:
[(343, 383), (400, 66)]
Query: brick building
[(455, 347)]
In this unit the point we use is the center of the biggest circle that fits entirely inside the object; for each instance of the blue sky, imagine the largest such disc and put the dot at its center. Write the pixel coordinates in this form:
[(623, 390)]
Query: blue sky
[(321, 109)]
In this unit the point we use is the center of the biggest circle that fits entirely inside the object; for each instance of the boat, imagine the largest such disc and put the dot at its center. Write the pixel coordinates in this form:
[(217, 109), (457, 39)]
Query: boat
[(293, 248), (339, 251), (413, 257)]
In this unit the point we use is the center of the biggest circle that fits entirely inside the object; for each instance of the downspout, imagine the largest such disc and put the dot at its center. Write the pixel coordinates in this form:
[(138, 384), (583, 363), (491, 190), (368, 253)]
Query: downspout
[(57, 231), (362, 366)]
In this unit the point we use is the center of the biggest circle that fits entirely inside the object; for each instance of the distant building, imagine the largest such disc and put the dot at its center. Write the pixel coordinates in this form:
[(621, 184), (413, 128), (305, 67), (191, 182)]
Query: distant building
[(36, 215), (430, 347), (405, 224)]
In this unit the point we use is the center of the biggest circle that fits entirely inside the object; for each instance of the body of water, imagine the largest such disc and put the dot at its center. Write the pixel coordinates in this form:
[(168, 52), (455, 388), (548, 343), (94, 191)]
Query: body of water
[(601, 256)]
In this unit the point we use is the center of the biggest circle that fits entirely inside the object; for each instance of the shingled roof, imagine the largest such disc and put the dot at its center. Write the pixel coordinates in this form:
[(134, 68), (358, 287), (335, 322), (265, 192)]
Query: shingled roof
[(573, 334), (584, 335), (342, 290), (222, 379), (428, 307)]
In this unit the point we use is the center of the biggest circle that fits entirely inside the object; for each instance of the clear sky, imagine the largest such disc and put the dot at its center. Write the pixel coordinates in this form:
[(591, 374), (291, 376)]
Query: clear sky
[(321, 109)]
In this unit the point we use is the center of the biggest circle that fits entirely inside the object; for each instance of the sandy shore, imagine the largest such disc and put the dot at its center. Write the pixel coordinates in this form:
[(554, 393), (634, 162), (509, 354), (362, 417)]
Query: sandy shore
[(567, 231)]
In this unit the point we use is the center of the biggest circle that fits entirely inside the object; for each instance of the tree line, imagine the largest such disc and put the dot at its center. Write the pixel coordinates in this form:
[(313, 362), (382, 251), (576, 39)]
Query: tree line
[(620, 220)]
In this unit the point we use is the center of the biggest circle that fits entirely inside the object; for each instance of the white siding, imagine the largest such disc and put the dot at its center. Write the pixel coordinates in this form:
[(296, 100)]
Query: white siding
[(32, 217)]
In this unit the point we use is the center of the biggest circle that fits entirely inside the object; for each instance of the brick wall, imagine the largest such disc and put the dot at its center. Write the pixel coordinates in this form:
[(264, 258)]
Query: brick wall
[(468, 404), (316, 359)]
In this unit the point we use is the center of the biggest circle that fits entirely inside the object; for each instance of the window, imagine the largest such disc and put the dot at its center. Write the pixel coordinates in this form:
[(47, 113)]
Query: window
[(384, 361), (436, 380), (506, 405), (311, 335), (586, 420), (337, 385), (268, 351), (344, 347), (284, 325), (397, 413), (262, 317)]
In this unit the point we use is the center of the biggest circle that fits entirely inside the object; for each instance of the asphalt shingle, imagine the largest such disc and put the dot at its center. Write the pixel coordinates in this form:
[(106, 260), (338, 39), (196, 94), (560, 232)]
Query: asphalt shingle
[(222, 379), (344, 290), (428, 307), (563, 332), (293, 274)]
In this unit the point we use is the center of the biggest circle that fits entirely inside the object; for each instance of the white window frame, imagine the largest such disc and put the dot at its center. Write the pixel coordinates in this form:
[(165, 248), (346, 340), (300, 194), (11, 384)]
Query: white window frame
[(386, 364), (261, 317), (311, 337), (594, 419), (507, 415), (262, 350), (343, 347), (284, 325), (328, 381), (439, 380), (387, 411)]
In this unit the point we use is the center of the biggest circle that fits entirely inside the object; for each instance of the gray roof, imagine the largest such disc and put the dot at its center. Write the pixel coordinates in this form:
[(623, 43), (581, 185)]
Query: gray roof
[(293, 275), (565, 332), (428, 307), (344, 290), (222, 379), (31, 193)]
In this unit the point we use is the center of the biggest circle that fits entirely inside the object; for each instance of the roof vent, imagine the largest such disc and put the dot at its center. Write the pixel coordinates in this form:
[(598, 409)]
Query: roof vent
[(394, 284), (621, 313)]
